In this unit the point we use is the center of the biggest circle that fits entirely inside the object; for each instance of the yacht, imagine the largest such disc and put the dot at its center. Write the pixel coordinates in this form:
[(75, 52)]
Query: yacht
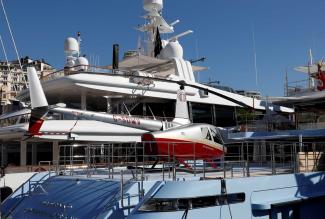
[(94, 171), (145, 82)]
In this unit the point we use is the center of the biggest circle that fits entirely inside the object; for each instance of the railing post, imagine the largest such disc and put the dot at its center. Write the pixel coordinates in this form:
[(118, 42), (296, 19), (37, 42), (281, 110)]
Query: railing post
[(65, 158), (242, 151), (174, 172), (122, 190), (232, 171), (247, 169), (109, 161), (168, 160), (296, 159), (136, 161), (174, 165), (224, 169), (139, 191), (273, 160), (203, 169), (306, 161), (194, 160), (142, 178), (112, 161), (163, 171)]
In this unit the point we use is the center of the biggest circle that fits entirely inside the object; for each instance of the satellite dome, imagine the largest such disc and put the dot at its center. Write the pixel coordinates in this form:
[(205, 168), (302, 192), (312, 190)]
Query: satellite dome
[(172, 50), (71, 45), (70, 62), (82, 63), (153, 5)]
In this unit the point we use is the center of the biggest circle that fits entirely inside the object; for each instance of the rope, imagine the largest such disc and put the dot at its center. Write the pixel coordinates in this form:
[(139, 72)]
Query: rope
[(12, 38), (6, 57)]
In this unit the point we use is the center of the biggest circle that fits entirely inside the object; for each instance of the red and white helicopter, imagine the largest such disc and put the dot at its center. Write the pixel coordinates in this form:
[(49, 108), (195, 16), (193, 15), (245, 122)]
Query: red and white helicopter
[(179, 139)]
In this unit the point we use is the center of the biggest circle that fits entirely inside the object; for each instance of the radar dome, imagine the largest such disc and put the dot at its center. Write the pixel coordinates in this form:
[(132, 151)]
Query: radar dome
[(153, 5), (172, 50), (70, 62), (71, 45), (82, 63)]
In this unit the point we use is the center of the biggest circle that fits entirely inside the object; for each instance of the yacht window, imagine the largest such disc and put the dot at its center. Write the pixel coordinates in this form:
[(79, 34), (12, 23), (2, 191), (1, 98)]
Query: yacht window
[(14, 120), (157, 205), (24, 118)]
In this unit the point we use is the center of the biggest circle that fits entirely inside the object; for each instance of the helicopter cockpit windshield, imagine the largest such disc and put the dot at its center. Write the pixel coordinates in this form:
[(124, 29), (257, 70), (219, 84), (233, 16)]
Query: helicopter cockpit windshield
[(216, 136)]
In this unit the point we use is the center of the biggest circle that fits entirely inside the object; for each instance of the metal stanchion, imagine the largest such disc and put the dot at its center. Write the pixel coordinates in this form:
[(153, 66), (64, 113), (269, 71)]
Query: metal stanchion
[(122, 190)]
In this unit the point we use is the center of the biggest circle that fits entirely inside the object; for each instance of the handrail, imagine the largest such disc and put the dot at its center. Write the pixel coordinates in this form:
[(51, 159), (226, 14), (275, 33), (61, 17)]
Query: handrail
[(243, 159), (28, 182)]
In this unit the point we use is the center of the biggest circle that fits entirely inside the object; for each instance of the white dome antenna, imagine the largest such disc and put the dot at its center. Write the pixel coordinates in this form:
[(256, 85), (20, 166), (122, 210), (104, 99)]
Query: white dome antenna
[(153, 5), (82, 64), (71, 46), (71, 50)]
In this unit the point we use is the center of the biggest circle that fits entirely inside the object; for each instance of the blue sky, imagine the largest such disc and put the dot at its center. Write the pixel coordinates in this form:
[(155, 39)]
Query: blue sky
[(284, 32)]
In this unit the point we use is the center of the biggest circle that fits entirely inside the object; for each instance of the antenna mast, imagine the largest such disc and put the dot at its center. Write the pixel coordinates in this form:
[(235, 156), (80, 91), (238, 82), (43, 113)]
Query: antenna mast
[(154, 20), (311, 81)]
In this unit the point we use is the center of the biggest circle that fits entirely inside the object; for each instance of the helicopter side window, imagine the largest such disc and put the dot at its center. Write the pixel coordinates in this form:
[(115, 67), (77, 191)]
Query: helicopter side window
[(206, 134), (216, 136)]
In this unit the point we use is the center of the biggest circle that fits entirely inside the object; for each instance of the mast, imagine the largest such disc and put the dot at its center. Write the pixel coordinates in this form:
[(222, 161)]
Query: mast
[(311, 81), (154, 22)]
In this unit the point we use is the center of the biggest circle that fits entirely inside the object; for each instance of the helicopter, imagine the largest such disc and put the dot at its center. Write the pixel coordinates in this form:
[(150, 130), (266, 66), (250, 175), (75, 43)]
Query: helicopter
[(179, 138)]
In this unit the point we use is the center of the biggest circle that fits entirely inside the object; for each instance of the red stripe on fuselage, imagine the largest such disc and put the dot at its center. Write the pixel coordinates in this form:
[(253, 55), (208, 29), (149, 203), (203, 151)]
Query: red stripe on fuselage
[(186, 150)]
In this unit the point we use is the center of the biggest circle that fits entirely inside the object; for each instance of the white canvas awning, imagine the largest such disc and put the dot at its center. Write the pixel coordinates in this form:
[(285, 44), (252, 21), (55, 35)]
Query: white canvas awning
[(150, 64)]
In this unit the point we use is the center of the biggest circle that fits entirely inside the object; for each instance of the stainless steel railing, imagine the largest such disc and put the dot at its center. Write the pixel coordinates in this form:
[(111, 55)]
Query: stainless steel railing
[(243, 159)]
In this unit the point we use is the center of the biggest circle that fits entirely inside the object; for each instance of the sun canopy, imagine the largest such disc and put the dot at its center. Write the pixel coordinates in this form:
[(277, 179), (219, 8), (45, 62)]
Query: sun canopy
[(150, 64)]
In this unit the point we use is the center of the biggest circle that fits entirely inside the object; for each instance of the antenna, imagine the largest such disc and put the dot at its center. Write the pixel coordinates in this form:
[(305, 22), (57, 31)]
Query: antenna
[(311, 57), (255, 55), (175, 38), (174, 23), (79, 42), (197, 57), (139, 44), (311, 81), (286, 83)]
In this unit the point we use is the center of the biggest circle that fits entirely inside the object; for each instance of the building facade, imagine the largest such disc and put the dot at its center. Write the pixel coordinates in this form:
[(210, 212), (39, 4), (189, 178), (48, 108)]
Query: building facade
[(13, 79)]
